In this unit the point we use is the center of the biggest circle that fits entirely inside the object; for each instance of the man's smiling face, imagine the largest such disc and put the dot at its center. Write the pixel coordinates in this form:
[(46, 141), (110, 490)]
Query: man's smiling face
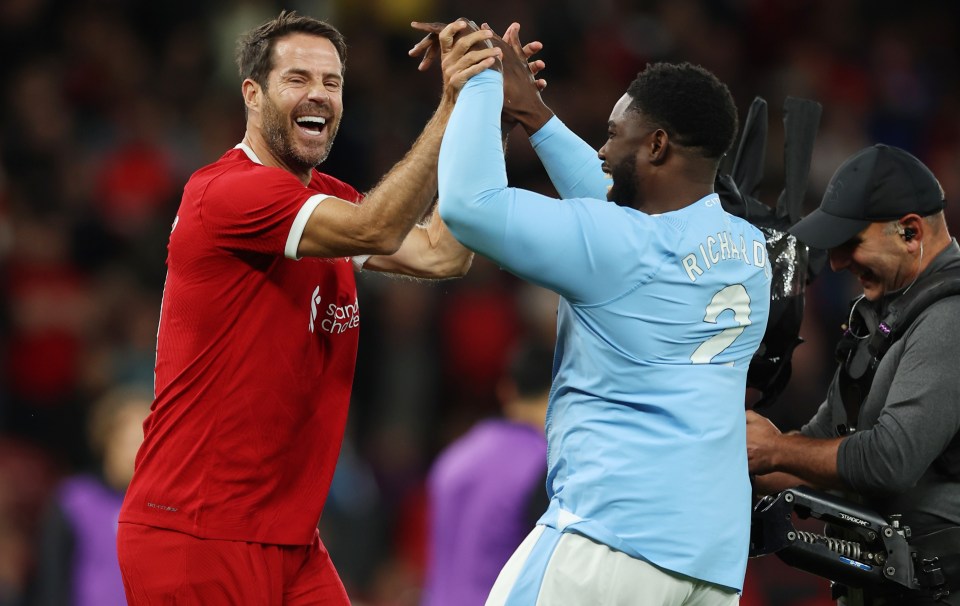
[(303, 102)]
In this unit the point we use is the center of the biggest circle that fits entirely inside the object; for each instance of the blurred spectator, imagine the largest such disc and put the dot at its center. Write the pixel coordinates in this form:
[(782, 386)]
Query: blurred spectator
[(479, 322), (488, 488), (47, 300), (135, 180), (77, 564), (27, 474)]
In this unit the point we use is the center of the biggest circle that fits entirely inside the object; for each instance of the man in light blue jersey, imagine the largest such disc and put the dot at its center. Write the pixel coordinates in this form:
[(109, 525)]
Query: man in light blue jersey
[(664, 298)]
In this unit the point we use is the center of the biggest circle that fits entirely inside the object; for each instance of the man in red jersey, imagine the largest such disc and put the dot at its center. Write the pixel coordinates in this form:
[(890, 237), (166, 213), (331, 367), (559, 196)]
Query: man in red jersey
[(258, 331)]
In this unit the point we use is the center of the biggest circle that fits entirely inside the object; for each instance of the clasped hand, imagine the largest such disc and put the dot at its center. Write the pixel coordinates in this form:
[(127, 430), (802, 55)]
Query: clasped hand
[(464, 48)]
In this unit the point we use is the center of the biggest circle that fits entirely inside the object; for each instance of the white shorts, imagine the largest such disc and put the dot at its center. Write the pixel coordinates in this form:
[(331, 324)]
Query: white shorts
[(551, 568)]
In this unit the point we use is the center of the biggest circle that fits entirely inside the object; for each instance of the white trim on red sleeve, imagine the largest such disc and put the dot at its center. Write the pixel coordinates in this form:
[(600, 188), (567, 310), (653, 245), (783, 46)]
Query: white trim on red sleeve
[(358, 261), (300, 223)]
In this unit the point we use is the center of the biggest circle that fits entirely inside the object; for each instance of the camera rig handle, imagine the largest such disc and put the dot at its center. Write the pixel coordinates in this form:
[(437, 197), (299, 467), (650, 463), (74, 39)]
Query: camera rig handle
[(877, 552)]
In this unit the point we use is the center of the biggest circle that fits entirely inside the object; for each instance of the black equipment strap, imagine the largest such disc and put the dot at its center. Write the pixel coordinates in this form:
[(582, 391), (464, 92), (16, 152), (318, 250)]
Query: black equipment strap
[(908, 306), (859, 361)]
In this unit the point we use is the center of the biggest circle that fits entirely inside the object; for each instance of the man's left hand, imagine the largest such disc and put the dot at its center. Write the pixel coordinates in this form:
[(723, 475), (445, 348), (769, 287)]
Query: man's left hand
[(521, 88), (428, 49), (465, 50)]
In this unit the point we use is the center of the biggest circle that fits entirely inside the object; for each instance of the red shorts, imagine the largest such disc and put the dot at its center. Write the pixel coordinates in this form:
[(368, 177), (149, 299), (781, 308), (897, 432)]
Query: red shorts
[(167, 567)]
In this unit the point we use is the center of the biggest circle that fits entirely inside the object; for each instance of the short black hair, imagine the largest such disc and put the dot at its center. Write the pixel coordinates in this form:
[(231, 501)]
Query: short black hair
[(255, 48), (690, 103), (531, 369)]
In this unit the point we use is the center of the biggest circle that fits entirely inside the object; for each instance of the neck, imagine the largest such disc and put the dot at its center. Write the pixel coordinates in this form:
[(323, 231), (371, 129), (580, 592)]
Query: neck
[(253, 138), (932, 248), (679, 185), (527, 412), (677, 197), (928, 252)]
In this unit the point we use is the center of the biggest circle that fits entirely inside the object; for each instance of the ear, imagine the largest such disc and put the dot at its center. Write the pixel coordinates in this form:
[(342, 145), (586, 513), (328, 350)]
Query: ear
[(251, 94), (911, 229), (659, 142)]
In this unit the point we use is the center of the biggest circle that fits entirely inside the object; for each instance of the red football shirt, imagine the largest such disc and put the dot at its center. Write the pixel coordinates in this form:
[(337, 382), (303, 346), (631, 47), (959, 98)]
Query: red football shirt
[(255, 360)]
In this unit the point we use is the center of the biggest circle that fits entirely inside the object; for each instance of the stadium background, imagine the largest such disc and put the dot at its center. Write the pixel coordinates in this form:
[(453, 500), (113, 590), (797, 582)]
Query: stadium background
[(108, 106)]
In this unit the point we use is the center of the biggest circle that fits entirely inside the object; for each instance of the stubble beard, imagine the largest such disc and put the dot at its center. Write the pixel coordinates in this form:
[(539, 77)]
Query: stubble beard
[(623, 192), (280, 138)]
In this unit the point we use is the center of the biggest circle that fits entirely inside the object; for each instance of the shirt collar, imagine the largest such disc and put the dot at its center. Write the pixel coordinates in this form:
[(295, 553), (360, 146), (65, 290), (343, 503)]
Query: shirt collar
[(249, 151)]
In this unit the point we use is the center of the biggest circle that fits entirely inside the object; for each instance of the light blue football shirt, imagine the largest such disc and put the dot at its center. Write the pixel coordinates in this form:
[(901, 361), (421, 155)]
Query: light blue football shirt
[(659, 317)]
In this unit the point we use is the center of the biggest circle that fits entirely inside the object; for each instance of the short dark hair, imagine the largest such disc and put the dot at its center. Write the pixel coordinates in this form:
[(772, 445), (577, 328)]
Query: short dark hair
[(690, 103), (255, 48), (531, 369)]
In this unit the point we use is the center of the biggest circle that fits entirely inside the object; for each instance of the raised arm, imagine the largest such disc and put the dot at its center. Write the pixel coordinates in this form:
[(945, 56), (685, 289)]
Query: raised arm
[(429, 251), (524, 232), (571, 164), (380, 225)]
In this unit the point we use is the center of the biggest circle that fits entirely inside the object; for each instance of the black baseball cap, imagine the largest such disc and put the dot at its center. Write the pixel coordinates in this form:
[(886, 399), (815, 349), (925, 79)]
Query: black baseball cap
[(879, 183)]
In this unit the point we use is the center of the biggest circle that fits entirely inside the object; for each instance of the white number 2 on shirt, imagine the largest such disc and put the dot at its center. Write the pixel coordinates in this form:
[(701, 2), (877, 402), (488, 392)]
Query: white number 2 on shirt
[(736, 299)]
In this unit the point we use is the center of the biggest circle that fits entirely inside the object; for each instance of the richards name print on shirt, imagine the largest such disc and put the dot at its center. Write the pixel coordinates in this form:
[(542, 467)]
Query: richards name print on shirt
[(722, 247)]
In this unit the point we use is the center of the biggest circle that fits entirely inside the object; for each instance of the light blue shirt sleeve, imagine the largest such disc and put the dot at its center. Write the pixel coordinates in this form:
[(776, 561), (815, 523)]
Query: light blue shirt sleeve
[(574, 247), (573, 166)]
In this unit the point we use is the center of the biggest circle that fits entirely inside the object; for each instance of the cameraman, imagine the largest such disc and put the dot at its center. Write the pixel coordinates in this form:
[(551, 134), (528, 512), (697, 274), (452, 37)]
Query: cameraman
[(887, 439)]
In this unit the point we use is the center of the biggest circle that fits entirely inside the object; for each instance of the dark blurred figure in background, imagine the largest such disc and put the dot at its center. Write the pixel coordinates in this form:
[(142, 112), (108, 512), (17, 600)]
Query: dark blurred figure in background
[(889, 436), (77, 563), (27, 476), (487, 488)]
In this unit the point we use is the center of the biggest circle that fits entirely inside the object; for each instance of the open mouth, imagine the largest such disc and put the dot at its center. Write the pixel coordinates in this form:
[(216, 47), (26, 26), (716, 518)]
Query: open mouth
[(311, 125), (608, 176)]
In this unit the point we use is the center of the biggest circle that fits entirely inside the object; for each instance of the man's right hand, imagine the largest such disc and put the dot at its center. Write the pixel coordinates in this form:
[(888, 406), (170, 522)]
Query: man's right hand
[(465, 50), (521, 88)]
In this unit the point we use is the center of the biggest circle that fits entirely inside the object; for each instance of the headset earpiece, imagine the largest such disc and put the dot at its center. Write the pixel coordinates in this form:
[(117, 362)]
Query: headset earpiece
[(906, 233)]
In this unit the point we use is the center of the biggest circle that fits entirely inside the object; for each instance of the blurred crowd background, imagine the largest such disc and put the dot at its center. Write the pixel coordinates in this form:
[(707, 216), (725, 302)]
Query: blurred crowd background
[(109, 105)]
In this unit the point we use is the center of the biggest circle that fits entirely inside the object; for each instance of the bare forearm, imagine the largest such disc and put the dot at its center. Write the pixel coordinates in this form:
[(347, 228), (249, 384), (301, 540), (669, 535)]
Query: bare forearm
[(395, 205), (338, 228), (444, 255), (812, 461), (380, 225), (404, 194), (429, 251)]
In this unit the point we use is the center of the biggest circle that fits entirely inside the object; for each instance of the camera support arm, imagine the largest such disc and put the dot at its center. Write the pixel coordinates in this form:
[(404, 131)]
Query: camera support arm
[(878, 553)]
